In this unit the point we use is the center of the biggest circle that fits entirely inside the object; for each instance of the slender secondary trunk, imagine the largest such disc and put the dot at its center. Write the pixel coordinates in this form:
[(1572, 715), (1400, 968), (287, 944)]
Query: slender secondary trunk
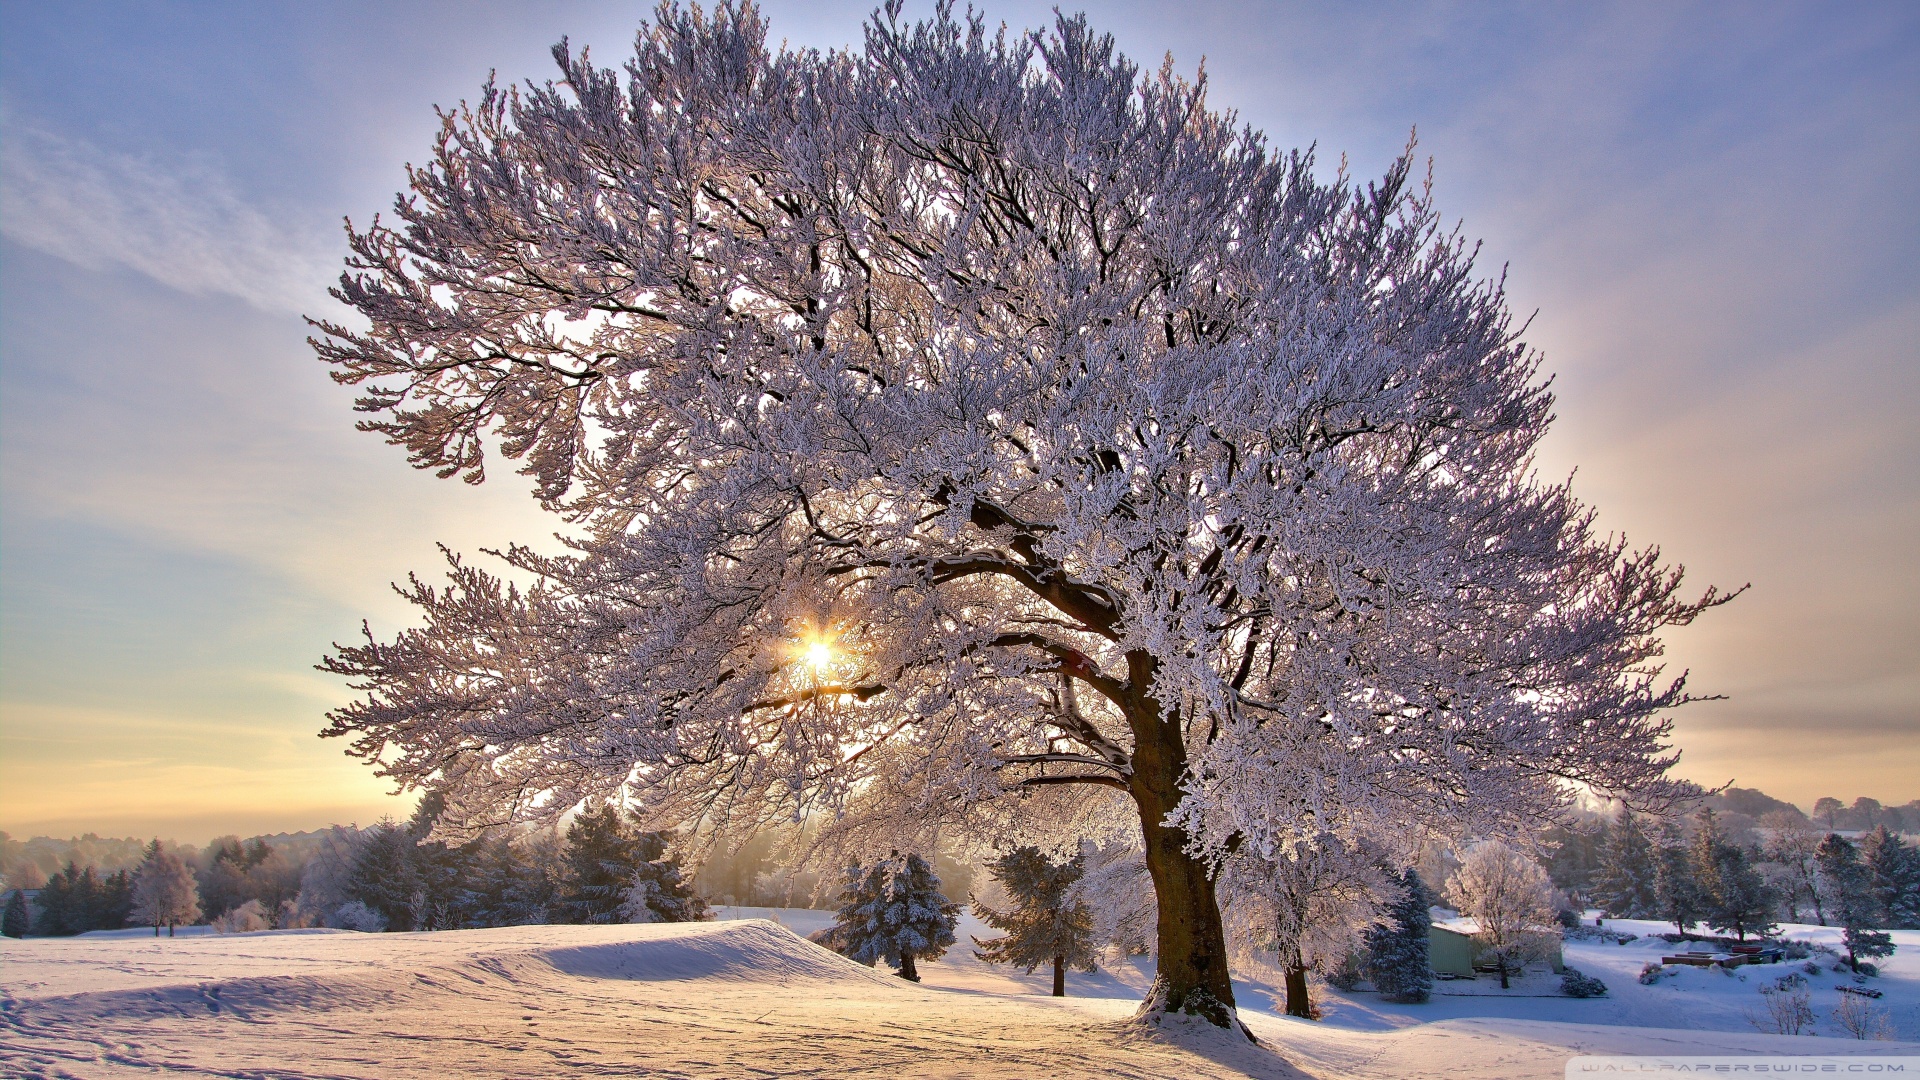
[(156, 929), (1059, 976), (156, 933), (907, 970), (1192, 976), (1298, 1003)]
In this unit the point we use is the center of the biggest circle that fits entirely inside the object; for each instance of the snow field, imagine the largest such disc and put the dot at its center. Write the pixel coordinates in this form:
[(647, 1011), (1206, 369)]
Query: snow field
[(750, 998)]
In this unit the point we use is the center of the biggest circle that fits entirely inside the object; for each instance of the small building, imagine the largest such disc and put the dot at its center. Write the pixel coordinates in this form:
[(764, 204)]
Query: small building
[(1453, 948), (1450, 952)]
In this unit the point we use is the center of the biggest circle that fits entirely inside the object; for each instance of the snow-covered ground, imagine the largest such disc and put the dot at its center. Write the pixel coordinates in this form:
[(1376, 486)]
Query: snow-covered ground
[(749, 998)]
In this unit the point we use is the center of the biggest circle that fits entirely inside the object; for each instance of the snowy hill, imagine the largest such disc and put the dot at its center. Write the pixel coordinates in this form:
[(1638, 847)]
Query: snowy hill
[(736, 998)]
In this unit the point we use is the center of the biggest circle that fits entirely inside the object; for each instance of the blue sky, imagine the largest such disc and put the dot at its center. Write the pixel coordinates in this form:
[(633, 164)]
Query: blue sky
[(1712, 209)]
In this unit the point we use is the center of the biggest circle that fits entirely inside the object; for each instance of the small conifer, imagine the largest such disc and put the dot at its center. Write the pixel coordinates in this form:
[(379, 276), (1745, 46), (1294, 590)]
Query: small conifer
[(1398, 948), (1046, 923), (16, 922), (892, 911)]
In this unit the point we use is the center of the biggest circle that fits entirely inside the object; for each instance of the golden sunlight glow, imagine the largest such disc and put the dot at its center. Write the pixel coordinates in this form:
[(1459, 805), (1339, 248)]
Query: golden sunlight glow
[(819, 655)]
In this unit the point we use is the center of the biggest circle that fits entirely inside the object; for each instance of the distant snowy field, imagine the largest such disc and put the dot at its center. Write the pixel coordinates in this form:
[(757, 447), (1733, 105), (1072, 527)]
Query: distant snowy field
[(750, 998)]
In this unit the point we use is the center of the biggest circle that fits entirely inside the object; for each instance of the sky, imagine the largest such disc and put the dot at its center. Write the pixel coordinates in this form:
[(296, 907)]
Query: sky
[(1708, 209)]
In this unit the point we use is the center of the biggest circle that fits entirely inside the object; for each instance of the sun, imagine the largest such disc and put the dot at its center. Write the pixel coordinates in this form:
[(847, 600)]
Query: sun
[(819, 655)]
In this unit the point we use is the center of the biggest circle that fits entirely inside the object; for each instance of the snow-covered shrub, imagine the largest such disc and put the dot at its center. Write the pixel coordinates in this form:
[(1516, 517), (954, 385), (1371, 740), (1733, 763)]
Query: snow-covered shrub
[(248, 918), (1651, 973), (1862, 1019), (354, 915), (1348, 973), (1576, 984), (1785, 1009)]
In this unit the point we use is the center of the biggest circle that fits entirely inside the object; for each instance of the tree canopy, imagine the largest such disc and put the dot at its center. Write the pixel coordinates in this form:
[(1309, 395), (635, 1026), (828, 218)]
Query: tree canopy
[(972, 413)]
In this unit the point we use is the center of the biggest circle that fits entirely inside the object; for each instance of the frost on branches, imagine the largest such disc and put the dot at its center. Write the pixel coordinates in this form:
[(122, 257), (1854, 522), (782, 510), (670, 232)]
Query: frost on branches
[(978, 414)]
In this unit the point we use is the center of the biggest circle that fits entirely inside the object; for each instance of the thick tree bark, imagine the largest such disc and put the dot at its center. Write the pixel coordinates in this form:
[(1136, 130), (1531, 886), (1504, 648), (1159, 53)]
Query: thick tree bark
[(1059, 976), (1298, 1003), (1192, 975), (907, 970)]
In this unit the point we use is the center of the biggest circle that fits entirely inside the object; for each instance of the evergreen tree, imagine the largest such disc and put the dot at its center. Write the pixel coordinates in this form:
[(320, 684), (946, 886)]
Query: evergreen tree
[(383, 876), (1742, 901), (1893, 878), (115, 901), (892, 911), (1046, 923), (1849, 890), (164, 891), (1731, 893), (1397, 949), (16, 922), (440, 871), (539, 866), (69, 902), (1624, 885), (1676, 893), (658, 891), (603, 855), (862, 892), (492, 876), (1573, 863)]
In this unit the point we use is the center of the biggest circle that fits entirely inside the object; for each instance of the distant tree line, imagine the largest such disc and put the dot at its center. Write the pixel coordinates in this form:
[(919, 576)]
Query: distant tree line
[(1740, 878), (390, 876)]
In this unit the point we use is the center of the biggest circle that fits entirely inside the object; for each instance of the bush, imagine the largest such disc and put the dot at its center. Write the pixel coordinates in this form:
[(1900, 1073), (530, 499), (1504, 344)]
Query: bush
[(248, 918), (1568, 918), (1786, 1008), (354, 915), (1347, 974), (1651, 974), (1575, 984)]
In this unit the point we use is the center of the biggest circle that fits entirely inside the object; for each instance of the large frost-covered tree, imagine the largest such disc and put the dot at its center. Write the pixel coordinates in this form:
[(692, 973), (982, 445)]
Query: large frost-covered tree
[(1508, 895), (980, 413), (164, 891)]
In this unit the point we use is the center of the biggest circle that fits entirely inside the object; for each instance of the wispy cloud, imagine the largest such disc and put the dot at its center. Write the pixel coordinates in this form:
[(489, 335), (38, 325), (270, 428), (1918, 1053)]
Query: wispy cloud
[(180, 223)]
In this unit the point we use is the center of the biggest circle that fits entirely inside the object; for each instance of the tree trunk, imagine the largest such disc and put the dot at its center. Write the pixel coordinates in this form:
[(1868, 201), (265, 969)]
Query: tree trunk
[(156, 929), (907, 970), (1298, 1003), (1059, 976), (156, 933), (1192, 976)]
